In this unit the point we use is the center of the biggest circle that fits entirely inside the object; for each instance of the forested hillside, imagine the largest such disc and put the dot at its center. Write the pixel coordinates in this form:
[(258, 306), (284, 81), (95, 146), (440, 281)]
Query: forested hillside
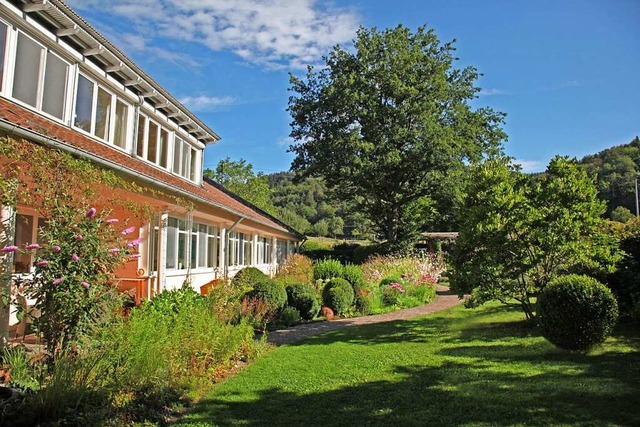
[(616, 169)]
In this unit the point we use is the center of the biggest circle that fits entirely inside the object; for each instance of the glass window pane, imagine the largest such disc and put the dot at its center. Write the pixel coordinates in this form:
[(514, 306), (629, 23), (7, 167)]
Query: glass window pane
[(164, 147), (202, 250), (121, 124), (152, 142), (27, 71), (103, 114), (192, 172), (182, 251), (84, 104), (186, 158), (55, 86), (24, 235), (142, 122), (194, 248), (154, 250), (177, 155), (3, 48), (172, 234)]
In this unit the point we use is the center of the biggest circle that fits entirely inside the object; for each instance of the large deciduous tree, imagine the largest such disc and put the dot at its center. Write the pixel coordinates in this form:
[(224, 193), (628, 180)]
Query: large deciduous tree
[(389, 126), (518, 233)]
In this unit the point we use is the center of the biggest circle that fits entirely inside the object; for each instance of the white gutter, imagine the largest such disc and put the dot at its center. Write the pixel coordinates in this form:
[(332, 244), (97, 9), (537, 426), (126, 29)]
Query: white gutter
[(34, 136)]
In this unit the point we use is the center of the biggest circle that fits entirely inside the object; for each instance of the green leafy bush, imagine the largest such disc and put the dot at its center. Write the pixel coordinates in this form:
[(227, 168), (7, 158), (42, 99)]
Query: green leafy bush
[(576, 312), (169, 303), (304, 299), (246, 278), (338, 295), (290, 316), (354, 275), (389, 280), (364, 304), (392, 293), (327, 269), (272, 293)]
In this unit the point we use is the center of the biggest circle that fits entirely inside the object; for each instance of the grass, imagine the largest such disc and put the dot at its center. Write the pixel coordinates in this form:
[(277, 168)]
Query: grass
[(460, 367)]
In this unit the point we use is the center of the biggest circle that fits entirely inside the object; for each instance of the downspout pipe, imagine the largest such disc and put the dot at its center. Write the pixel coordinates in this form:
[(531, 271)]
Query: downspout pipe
[(226, 246)]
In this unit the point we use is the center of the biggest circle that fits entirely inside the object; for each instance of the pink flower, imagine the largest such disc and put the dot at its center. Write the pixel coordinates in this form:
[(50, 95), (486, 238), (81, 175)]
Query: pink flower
[(135, 242), (75, 257), (135, 256), (397, 286), (9, 248), (91, 213), (79, 237), (128, 231), (42, 263), (85, 285), (58, 281), (56, 248), (114, 250), (112, 220), (32, 246)]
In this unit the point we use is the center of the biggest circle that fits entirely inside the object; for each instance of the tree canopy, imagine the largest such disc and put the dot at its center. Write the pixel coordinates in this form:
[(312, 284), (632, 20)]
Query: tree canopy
[(520, 232), (389, 126)]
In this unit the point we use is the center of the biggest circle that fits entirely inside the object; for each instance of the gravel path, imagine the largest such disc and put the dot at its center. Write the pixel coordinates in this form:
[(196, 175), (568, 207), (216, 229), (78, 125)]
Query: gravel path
[(444, 299)]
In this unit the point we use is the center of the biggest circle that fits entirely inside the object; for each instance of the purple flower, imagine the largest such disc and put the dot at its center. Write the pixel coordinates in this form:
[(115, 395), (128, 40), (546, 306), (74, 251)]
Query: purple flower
[(135, 242), (75, 257), (42, 263), (135, 256), (32, 246), (58, 281), (91, 213), (79, 237), (85, 285), (397, 286), (56, 248), (9, 248), (128, 231), (114, 250), (112, 220)]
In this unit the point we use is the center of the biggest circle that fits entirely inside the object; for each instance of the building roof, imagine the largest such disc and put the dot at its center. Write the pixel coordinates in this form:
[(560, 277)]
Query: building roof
[(15, 116)]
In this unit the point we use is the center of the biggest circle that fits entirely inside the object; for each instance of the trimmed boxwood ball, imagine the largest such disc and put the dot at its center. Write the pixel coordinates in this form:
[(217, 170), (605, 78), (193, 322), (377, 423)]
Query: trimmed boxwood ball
[(290, 316), (576, 312), (338, 295), (303, 298), (363, 304), (247, 277), (273, 294)]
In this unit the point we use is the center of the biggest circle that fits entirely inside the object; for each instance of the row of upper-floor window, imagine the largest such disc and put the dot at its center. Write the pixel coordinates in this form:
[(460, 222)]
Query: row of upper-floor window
[(35, 76)]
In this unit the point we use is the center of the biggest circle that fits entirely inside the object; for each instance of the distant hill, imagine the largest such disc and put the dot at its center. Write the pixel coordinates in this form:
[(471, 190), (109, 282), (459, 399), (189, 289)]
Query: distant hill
[(616, 169)]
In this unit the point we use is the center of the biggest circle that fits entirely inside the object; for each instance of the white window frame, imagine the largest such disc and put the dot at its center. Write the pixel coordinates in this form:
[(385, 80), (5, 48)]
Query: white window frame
[(97, 86), (8, 79)]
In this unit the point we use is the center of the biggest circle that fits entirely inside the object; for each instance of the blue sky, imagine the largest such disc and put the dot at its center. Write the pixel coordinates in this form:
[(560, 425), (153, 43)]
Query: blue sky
[(567, 73)]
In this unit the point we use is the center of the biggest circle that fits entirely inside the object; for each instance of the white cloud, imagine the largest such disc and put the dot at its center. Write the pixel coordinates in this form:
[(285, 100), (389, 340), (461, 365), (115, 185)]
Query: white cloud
[(285, 141), (494, 91), (204, 103), (269, 33), (530, 166)]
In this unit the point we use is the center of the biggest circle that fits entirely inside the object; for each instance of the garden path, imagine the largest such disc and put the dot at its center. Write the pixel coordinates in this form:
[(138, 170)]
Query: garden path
[(443, 300)]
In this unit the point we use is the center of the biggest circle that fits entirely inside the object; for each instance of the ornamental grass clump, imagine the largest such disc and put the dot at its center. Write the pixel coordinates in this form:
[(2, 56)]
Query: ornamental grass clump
[(327, 269), (576, 312), (296, 268)]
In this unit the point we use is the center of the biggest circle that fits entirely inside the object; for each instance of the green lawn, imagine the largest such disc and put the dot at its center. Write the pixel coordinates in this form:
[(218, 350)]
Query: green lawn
[(461, 367)]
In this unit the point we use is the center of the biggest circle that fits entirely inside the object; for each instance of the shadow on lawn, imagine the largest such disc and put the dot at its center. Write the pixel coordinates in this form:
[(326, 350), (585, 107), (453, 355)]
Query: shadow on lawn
[(453, 394), (490, 383)]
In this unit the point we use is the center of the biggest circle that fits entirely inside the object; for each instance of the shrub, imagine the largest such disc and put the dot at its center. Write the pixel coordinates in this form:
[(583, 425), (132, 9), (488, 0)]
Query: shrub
[(272, 293), (364, 304), (338, 295), (391, 293), (327, 269), (290, 316), (304, 299), (576, 312), (296, 268), (246, 278), (169, 303), (389, 280), (354, 275)]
